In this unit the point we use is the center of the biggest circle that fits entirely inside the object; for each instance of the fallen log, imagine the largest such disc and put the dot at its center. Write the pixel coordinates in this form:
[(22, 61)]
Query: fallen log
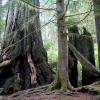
[(92, 88), (86, 64)]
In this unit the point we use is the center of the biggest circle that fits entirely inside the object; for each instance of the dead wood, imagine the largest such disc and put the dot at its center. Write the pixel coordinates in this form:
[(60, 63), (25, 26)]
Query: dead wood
[(86, 64), (92, 88), (33, 65), (32, 68), (5, 63)]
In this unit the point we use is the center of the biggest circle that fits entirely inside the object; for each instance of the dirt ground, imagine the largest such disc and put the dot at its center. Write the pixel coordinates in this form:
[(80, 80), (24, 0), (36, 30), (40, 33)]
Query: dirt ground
[(50, 95)]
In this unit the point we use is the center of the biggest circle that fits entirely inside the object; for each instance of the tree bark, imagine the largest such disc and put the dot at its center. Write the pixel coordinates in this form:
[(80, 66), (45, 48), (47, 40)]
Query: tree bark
[(28, 53), (72, 64), (97, 23), (62, 79), (85, 47), (88, 67)]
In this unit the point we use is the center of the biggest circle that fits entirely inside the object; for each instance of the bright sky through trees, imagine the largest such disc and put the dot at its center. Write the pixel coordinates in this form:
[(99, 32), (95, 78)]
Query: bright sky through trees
[(4, 2)]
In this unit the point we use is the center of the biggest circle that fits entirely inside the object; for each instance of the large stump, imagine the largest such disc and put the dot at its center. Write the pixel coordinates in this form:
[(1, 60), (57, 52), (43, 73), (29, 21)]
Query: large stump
[(85, 47), (73, 73), (24, 48)]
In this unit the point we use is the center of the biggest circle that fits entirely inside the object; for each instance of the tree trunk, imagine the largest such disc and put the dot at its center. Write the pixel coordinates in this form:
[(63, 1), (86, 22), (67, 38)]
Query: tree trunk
[(24, 47), (72, 64), (62, 80), (85, 47), (97, 23)]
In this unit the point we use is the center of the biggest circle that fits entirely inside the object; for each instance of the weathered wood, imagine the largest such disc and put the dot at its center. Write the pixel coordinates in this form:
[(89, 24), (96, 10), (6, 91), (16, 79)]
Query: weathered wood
[(86, 64), (73, 73), (21, 74), (33, 71), (85, 47), (92, 88), (96, 4)]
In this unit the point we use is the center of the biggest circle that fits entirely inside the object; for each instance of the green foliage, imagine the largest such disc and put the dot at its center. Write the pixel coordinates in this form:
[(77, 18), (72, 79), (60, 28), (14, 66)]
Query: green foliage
[(97, 10), (96, 55), (71, 21), (53, 57), (47, 44), (98, 92), (52, 53), (74, 7), (90, 89), (3, 11), (1, 23), (79, 68), (1, 90)]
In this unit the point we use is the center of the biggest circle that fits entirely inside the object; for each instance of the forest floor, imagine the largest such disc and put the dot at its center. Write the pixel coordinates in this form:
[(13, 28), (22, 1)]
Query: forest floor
[(50, 95)]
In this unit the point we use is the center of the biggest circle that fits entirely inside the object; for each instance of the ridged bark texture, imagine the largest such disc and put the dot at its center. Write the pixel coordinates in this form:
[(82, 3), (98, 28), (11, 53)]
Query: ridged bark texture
[(97, 23), (27, 41), (85, 47), (73, 73)]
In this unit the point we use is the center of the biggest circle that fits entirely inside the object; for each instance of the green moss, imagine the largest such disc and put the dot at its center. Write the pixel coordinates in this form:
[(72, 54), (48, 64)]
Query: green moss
[(86, 64), (90, 89), (63, 84), (66, 85), (1, 90), (55, 83)]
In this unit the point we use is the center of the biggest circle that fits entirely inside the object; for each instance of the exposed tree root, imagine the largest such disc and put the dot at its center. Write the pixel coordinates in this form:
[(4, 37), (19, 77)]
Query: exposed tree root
[(54, 84), (65, 87), (29, 92), (40, 91), (43, 90), (92, 88)]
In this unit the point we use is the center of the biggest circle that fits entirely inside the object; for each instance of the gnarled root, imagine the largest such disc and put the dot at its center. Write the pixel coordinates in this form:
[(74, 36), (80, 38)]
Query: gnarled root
[(64, 84)]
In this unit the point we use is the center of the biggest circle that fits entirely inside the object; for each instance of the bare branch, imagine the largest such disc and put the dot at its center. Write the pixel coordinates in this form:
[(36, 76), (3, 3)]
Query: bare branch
[(36, 7)]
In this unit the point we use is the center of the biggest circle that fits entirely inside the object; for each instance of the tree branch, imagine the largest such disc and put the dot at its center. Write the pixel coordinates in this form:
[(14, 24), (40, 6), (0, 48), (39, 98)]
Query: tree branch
[(36, 7)]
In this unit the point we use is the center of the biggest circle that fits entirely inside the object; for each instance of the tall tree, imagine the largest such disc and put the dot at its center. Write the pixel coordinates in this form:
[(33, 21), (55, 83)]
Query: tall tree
[(62, 79), (23, 60), (97, 23)]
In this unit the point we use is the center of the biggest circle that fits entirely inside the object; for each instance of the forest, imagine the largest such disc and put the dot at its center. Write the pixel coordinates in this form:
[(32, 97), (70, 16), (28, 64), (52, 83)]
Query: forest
[(49, 49)]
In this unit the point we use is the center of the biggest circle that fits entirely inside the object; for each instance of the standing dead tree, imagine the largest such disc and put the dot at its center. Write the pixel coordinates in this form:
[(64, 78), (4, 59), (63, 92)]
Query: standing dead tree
[(73, 73), (85, 47)]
